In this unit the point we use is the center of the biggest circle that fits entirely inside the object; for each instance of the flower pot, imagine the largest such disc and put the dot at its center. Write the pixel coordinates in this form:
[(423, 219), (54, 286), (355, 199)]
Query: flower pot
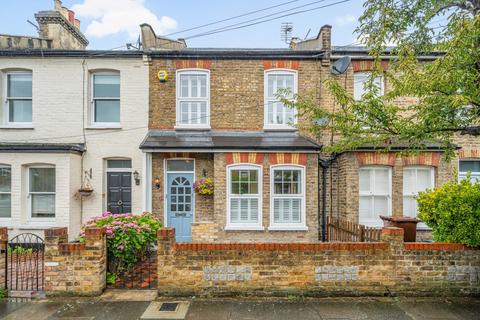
[(408, 224)]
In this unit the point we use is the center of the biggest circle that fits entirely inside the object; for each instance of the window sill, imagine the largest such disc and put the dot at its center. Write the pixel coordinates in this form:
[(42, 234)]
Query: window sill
[(192, 128), (104, 127), (17, 126), (244, 228), (288, 228), (278, 128)]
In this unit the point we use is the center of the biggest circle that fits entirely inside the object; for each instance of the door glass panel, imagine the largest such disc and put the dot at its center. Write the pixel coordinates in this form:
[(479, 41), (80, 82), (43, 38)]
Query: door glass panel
[(119, 164), (180, 165)]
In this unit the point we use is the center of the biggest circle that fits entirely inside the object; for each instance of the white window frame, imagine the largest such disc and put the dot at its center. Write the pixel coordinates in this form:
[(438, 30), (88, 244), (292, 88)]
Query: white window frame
[(366, 75), (93, 123), (420, 225), (269, 100), (191, 71), (6, 107), (259, 196), (2, 165), (375, 222), (38, 220), (302, 225), (463, 174)]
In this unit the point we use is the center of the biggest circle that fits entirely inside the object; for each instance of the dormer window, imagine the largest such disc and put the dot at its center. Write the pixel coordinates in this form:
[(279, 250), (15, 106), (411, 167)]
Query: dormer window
[(193, 99), (277, 115)]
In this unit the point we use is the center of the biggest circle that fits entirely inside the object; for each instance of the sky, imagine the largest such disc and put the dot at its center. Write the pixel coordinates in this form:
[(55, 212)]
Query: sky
[(111, 24)]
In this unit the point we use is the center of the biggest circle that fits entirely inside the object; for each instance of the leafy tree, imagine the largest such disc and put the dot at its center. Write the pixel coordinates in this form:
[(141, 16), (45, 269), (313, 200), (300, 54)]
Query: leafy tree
[(446, 91)]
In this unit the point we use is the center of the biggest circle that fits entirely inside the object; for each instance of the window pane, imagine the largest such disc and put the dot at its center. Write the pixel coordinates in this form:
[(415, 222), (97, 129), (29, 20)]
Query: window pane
[(5, 179), (43, 205), (119, 163), (469, 166), (106, 86), (20, 85), (409, 206), (20, 110), (107, 111), (193, 85), (364, 177), (287, 210), (359, 85), (234, 208), (180, 165), (365, 208), (253, 210), (381, 184), (42, 179), (409, 181), (424, 179), (380, 206), (5, 205)]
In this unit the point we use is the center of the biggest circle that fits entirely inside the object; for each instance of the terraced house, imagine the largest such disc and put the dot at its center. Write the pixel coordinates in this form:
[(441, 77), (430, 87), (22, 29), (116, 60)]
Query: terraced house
[(214, 114), (71, 121)]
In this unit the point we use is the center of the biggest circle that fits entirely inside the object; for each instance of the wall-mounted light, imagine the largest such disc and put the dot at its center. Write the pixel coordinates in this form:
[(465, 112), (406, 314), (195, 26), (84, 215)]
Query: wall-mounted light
[(136, 177), (157, 183), (204, 172)]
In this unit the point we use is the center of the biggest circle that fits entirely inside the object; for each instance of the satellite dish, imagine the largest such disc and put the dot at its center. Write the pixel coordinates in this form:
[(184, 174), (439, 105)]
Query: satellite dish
[(341, 65)]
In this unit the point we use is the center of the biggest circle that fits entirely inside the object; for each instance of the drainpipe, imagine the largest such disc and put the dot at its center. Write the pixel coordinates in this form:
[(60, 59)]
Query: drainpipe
[(322, 216)]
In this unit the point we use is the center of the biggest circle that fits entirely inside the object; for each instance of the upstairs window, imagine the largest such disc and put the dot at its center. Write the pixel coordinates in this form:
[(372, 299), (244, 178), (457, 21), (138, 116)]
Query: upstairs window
[(287, 197), (375, 194), (18, 108), (360, 82), (283, 82), (106, 98), (469, 167), (415, 180), (5, 191), (41, 192), (244, 197), (193, 98)]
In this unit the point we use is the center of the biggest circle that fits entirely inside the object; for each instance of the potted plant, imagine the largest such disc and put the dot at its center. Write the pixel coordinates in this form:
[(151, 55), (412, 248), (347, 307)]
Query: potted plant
[(204, 187)]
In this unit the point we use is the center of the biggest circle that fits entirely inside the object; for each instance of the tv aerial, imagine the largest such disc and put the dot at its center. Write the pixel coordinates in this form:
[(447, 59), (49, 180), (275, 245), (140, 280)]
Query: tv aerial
[(286, 31)]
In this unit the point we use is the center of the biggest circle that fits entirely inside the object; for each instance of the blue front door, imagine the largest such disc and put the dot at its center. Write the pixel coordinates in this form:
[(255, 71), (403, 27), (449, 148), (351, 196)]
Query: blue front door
[(180, 205)]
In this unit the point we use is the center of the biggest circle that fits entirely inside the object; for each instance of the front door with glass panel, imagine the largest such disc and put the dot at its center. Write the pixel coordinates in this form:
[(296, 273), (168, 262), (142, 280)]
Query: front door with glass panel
[(179, 195)]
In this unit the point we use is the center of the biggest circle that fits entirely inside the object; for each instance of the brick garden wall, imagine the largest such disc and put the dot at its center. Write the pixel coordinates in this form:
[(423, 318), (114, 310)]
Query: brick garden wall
[(75, 268), (317, 269), (3, 255)]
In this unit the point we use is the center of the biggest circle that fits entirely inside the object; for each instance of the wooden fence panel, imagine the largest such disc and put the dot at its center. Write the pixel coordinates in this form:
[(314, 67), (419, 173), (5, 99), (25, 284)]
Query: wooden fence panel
[(342, 230)]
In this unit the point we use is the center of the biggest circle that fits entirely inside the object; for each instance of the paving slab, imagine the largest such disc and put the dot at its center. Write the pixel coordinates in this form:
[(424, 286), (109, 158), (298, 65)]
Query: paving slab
[(440, 308), (128, 295), (38, 310), (96, 310)]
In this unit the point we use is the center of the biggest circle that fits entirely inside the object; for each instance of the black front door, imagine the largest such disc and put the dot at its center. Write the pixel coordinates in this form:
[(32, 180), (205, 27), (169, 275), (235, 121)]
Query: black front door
[(119, 192)]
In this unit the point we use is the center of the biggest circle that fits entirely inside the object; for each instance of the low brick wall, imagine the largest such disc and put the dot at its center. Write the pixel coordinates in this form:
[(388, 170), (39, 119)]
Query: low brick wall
[(3, 256), (77, 269), (389, 267)]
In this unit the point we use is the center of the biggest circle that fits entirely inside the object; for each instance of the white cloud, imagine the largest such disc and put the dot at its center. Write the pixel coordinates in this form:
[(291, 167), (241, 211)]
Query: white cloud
[(117, 16), (346, 19)]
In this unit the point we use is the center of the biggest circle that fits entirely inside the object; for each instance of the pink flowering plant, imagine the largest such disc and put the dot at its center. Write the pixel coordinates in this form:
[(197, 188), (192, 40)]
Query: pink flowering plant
[(204, 186), (128, 237)]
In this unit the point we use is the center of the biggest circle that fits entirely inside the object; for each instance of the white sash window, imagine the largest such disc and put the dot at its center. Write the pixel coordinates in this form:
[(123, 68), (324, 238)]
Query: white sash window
[(375, 195)]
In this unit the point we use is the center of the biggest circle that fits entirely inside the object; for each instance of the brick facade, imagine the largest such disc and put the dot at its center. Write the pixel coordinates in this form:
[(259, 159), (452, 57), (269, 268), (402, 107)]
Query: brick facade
[(213, 209), (386, 268), (77, 269)]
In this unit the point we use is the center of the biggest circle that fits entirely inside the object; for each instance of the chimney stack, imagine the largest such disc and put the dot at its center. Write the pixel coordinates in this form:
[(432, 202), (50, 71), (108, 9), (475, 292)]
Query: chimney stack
[(60, 26)]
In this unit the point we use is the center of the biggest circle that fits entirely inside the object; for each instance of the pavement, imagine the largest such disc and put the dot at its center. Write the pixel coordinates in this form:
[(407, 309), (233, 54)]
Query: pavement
[(128, 305)]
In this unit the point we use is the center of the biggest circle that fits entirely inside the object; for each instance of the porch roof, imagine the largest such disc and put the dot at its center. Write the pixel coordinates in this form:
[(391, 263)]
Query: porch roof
[(212, 141)]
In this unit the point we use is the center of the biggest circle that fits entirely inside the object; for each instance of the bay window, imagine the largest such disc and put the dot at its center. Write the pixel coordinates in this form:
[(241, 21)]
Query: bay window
[(244, 197), (193, 98), (277, 115), (106, 98), (287, 198), (415, 180), (41, 191), (18, 109), (375, 194), (5, 191)]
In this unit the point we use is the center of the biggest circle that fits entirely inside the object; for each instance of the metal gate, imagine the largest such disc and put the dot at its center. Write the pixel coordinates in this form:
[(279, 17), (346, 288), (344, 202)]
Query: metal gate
[(25, 270)]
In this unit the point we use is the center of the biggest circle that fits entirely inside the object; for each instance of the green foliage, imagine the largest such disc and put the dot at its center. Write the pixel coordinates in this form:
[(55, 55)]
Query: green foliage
[(19, 250), (111, 278), (3, 294), (128, 237), (444, 95), (453, 212)]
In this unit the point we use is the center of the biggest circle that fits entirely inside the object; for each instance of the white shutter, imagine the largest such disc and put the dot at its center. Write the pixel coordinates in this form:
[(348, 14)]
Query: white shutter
[(244, 210), (295, 206), (253, 210), (234, 205)]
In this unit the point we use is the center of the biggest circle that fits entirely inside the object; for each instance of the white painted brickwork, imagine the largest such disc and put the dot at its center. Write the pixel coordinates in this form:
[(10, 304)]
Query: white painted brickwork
[(60, 99)]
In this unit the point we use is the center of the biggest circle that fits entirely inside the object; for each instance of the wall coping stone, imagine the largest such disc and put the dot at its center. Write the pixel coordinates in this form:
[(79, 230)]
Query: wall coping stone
[(281, 246), (437, 246), (56, 232)]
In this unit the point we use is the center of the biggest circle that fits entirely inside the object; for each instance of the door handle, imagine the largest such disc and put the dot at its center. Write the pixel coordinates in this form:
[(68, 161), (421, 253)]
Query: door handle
[(120, 202)]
